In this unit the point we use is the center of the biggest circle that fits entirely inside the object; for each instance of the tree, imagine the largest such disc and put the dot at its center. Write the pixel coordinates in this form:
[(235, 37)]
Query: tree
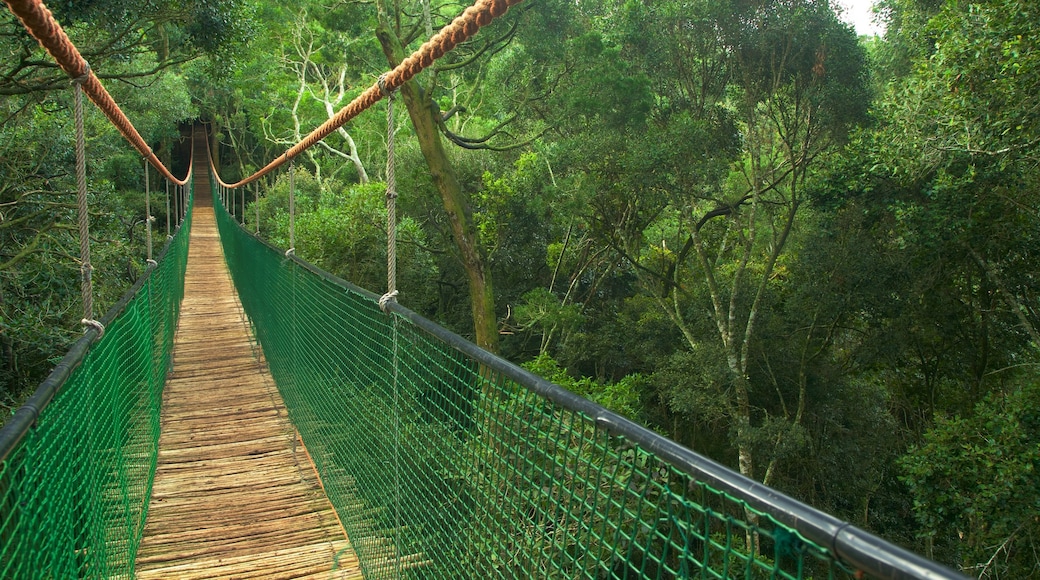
[(790, 80), (976, 486), (963, 132)]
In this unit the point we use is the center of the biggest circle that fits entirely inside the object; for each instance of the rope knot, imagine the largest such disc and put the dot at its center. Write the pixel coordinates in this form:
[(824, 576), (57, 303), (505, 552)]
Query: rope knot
[(382, 85), (94, 324), (151, 262), (83, 77), (290, 252), (386, 299)]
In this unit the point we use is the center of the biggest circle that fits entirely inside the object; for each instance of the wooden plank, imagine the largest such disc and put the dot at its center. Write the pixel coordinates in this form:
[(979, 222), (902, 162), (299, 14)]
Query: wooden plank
[(235, 494)]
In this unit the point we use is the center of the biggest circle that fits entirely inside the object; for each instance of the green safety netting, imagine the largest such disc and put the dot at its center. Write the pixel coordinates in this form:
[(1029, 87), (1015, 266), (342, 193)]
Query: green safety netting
[(445, 464), (74, 487)]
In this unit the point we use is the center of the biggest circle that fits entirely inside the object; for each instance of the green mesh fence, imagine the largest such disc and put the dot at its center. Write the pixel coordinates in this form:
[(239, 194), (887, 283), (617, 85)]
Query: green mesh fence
[(443, 462), (74, 488)]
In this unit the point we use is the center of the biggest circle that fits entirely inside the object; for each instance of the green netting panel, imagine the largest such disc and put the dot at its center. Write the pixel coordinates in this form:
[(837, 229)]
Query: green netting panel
[(74, 490), (442, 468)]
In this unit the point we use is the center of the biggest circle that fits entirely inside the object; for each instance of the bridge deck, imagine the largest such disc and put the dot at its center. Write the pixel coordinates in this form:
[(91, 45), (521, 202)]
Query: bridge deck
[(235, 494)]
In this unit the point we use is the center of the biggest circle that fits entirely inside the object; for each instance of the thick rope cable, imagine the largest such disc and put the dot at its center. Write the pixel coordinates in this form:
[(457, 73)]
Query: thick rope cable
[(464, 27), (40, 23), (85, 269)]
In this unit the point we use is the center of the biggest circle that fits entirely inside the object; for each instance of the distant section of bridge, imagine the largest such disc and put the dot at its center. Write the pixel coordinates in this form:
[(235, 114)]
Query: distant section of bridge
[(235, 494)]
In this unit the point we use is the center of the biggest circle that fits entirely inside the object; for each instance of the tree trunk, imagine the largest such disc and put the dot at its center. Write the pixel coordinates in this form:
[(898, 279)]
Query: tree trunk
[(455, 201)]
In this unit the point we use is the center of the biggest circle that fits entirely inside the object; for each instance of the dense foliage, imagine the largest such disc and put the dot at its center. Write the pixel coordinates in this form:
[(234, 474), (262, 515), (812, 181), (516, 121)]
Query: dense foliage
[(808, 255)]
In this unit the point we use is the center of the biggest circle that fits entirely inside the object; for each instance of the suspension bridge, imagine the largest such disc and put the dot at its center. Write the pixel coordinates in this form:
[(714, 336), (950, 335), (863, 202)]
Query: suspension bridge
[(243, 414)]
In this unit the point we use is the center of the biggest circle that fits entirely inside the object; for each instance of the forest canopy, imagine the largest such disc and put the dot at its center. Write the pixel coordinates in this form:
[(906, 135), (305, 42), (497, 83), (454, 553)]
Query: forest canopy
[(809, 255)]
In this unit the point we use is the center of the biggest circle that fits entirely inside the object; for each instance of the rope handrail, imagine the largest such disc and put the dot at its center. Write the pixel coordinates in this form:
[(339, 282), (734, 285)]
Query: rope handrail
[(461, 29), (40, 23)]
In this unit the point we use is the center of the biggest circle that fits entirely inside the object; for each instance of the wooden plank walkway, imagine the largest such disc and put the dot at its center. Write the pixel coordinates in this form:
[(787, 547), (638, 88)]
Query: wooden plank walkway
[(235, 494)]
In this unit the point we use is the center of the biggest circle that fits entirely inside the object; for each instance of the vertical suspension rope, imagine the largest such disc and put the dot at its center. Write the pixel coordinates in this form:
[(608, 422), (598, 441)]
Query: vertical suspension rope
[(256, 205), (85, 268), (243, 207), (167, 209), (391, 203), (148, 219), (292, 209)]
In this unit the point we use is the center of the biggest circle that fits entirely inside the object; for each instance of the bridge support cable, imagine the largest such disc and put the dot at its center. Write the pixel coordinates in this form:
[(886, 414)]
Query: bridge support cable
[(40, 23), (85, 268), (462, 28), (391, 199), (292, 209), (167, 208), (256, 205), (148, 218)]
